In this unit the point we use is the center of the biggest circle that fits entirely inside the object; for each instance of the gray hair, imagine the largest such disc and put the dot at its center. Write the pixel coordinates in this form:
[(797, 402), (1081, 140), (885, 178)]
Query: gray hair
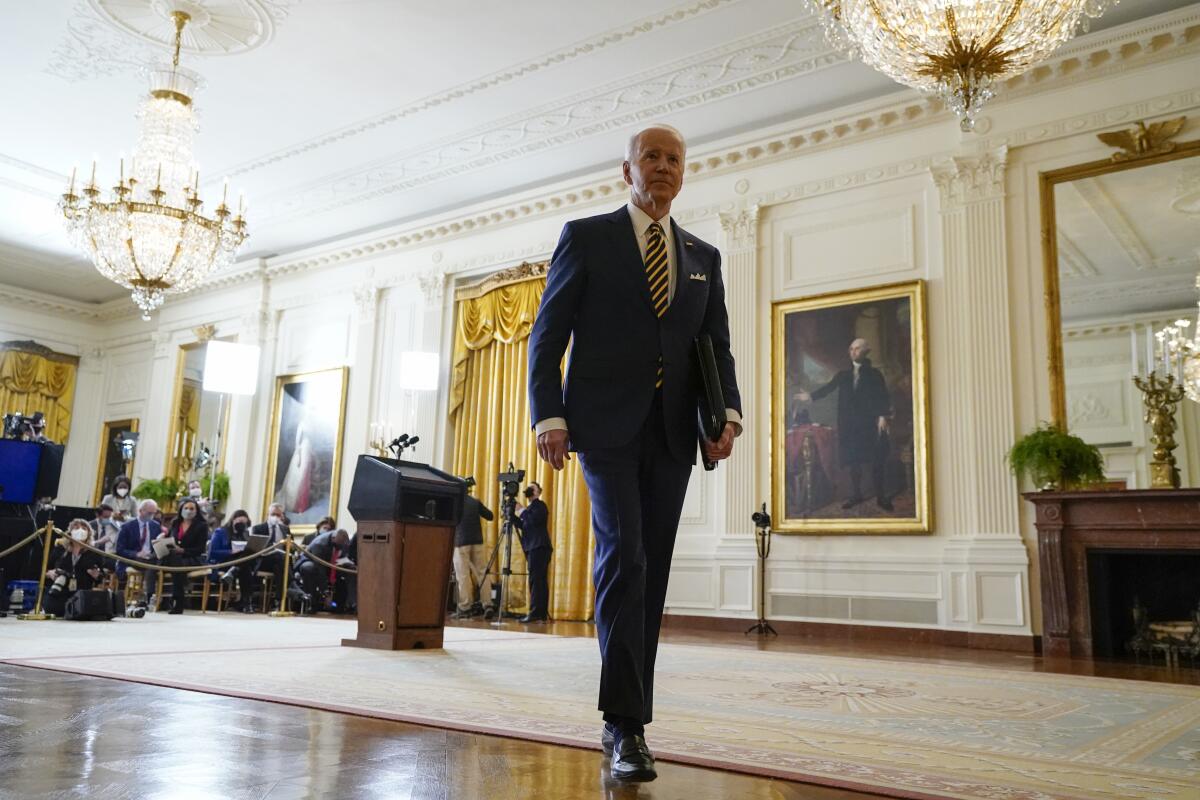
[(274, 506), (631, 145), (147, 504)]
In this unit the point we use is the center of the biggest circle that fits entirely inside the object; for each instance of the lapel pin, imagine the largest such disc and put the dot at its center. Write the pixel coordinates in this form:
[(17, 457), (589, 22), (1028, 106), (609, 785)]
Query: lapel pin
[(686, 243)]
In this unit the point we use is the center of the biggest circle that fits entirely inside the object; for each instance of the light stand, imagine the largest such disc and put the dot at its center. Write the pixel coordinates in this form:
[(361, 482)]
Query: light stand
[(506, 535), (762, 539)]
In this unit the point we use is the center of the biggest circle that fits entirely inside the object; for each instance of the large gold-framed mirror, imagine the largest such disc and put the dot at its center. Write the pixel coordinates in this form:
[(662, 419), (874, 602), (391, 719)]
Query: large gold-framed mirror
[(113, 454), (1121, 251), (199, 419)]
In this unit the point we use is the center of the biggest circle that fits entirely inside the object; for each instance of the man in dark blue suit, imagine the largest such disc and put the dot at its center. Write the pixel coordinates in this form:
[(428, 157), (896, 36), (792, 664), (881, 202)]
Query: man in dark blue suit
[(533, 521), (632, 291), (135, 537)]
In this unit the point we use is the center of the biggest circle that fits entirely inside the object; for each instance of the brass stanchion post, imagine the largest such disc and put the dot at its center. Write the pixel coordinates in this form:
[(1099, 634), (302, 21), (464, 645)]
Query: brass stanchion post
[(38, 615), (287, 571)]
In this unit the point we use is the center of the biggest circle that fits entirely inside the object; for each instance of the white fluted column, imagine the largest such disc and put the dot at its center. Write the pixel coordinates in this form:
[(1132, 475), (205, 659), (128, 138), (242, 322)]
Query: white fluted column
[(429, 418), (361, 389), (740, 271), (979, 343)]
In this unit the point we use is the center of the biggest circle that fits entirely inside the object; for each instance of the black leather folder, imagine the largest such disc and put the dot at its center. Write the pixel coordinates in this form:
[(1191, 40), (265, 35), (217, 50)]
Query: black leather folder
[(710, 406)]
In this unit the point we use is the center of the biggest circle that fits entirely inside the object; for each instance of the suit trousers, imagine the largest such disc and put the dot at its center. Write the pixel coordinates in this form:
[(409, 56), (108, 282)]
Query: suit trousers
[(538, 562), (637, 492)]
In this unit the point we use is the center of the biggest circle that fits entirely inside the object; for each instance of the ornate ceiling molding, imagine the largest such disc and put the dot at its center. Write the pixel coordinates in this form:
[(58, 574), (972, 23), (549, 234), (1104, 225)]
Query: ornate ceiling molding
[(107, 37), (1093, 196), (38, 301), (779, 54), (509, 74)]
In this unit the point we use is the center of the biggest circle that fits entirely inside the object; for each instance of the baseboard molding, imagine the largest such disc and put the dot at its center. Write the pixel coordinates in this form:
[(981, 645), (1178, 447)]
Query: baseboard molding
[(1013, 643)]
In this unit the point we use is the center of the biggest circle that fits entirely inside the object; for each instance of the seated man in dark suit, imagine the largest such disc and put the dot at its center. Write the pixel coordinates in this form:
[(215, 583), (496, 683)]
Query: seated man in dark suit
[(314, 576), (535, 541), (134, 541), (276, 529)]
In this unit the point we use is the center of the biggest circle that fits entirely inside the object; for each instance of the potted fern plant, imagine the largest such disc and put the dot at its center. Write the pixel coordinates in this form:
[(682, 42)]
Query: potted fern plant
[(164, 491), (219, 490), (1054, 460)]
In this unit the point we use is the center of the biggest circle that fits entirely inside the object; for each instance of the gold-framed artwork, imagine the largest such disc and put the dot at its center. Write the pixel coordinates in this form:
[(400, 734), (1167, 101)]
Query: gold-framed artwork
[(850, 448), (112, 462), (305, 444)]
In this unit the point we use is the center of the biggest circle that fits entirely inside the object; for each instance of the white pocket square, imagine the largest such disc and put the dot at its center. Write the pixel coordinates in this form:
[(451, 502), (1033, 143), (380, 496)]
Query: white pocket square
[(698, 276)]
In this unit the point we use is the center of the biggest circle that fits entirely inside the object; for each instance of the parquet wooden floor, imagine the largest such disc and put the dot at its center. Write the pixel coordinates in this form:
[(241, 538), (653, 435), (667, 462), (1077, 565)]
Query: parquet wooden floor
[(69, 736)]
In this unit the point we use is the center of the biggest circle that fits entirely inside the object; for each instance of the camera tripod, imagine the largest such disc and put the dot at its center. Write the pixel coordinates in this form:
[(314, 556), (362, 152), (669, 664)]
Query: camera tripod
[(507, 509)]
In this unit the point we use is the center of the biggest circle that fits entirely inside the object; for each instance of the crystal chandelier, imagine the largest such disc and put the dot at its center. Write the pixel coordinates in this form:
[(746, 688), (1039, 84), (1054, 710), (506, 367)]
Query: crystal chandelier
[(151, 236), (958, 49)]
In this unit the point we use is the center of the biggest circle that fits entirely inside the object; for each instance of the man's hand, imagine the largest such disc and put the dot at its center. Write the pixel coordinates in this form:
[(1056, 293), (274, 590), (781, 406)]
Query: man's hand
[(720, 449), (883, 425), (552, 447), (802, 396)]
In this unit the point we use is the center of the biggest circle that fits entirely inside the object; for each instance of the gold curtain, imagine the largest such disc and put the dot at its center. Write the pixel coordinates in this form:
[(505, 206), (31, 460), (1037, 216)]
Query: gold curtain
[(489, 406), (34, 378)]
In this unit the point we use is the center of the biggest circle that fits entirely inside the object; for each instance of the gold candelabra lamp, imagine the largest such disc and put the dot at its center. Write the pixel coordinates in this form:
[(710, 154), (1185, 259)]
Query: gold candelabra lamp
[(380, 436), (1160, 395)]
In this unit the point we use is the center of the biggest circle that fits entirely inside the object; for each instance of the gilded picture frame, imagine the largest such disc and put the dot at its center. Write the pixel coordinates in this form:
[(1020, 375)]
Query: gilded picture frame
[(110, 463), (850, 446), (305, 446)]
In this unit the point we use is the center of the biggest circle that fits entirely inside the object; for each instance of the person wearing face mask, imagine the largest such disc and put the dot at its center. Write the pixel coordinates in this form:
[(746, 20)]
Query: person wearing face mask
[(134, 541), (121, 500), (105, 529), (190, 532), (276, 530), (535, 541), (220, 548), (315, 577), (77, 569)]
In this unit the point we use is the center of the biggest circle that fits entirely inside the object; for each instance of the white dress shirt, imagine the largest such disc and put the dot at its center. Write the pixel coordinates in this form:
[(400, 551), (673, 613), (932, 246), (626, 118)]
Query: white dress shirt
[(641, 227)]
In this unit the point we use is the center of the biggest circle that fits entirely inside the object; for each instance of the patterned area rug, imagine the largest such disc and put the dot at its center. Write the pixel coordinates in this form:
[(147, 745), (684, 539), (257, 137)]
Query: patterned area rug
[(900, 729)]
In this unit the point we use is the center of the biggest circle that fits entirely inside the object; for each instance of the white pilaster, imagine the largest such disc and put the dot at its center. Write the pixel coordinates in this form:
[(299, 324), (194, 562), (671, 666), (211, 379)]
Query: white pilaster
[(356, 437), (740, 272), (979, 364)]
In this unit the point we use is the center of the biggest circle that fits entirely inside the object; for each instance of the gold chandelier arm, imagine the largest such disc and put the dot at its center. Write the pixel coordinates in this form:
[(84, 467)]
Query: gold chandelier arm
[(181, 18), (1008, 21)]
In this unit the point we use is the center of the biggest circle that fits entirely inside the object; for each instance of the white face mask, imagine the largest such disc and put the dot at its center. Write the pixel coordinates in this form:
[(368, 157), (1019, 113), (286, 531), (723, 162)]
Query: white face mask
[(188, 513), (122, 492), (195, 492), (79, 535), (273, 520)]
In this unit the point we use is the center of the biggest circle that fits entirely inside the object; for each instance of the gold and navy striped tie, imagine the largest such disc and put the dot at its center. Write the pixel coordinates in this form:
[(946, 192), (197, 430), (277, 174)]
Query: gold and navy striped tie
[(658, 278)]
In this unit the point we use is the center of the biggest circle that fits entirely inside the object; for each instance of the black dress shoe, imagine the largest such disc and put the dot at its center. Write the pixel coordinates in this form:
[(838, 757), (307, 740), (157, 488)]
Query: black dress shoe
[(631, 759), (608, 738), (528, 618), (176, 610)]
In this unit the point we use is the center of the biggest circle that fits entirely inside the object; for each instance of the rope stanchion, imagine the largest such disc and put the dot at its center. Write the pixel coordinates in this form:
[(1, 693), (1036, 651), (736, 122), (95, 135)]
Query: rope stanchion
[(322, 561), (38, 615), (189, 568), (21, 543), (287, 570)]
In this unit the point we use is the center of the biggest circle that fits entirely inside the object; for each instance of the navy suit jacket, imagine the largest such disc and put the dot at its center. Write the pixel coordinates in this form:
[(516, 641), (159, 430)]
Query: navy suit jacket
[(533, 524), (129, 539), (597, 295)]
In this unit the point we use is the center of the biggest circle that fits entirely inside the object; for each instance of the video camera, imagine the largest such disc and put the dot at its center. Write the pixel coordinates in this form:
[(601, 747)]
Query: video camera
[(19, 426), (469, 481), (761, 518), (511, 481)]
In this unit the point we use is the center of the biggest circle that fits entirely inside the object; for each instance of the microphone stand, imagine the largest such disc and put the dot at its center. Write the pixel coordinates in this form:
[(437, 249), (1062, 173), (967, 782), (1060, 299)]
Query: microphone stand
[(762, 539)]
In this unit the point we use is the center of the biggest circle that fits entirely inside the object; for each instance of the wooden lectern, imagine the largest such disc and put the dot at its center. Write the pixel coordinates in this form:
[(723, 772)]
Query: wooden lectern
[(406, 514)]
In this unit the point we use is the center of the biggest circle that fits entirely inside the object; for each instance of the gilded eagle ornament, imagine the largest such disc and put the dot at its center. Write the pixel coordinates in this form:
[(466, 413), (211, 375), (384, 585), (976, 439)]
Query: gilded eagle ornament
[(1143, 140)]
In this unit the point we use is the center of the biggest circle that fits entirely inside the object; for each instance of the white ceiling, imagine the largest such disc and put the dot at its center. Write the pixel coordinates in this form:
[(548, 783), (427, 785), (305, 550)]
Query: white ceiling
[(338, 116), (1122, 249)]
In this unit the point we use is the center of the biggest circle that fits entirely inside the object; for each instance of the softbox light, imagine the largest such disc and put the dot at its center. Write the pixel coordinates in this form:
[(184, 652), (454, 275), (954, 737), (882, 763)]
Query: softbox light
[(231, 368)]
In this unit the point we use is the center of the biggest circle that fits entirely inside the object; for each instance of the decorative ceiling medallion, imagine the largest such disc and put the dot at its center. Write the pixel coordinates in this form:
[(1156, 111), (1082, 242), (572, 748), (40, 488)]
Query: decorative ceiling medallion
[(215, 27)]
